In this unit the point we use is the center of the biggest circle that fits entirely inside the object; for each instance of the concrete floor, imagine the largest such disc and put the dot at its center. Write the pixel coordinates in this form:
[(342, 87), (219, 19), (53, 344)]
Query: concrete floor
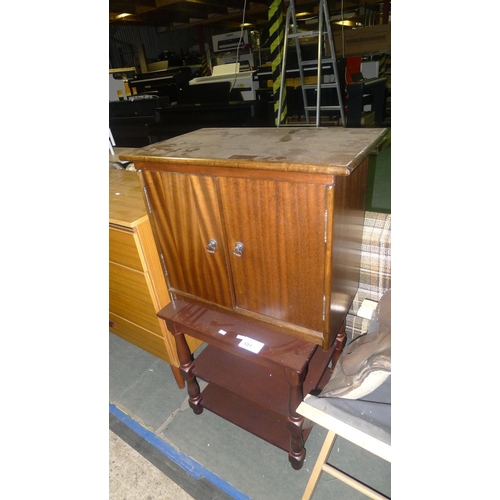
[(207, 456), (133, 477)]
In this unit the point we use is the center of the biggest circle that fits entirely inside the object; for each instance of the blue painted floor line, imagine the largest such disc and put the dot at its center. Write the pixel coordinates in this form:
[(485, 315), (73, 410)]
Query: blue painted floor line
[(188, 464)]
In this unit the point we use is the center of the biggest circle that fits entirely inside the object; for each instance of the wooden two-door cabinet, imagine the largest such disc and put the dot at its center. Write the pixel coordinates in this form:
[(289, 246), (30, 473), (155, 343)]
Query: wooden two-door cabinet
[(266, 222), (137, 286), (259, 233)]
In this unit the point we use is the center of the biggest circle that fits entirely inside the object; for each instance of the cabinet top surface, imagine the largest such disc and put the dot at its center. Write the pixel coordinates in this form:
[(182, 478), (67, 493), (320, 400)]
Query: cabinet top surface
[(126, 204), (330, 150)]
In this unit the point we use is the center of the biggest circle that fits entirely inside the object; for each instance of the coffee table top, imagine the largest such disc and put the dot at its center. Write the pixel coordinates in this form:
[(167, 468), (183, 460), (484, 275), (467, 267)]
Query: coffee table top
[(234, 334)]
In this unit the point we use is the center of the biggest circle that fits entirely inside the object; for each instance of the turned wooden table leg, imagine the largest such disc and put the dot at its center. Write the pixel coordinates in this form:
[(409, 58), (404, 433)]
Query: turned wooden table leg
[(340, 341), (297, 452), (186, 368)]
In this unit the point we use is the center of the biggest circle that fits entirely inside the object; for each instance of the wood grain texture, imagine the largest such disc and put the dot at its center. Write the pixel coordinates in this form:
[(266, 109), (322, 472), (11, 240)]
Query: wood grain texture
[(123, 248), (186, 217), (349, 210), (140, 313), (281, 271), (129, 282), (126, 203), (138, 288), (154, 272), (186, 167)]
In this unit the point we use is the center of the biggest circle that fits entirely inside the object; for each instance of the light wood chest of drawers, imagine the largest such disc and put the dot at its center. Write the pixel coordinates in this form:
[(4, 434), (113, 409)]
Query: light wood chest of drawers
[(137, 287)]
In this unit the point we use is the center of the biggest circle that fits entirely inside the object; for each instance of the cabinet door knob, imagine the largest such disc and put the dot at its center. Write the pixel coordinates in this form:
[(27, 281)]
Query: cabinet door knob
[(238, 249), (212, 246)]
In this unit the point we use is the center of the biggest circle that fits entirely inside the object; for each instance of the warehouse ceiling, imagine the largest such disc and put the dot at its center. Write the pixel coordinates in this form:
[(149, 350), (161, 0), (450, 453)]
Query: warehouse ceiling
[(179, 14)]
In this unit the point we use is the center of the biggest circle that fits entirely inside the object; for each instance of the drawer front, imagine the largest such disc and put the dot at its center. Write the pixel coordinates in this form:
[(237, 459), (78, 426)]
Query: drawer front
[(150, 342), (140, 313), (123, 250), (129, 282)]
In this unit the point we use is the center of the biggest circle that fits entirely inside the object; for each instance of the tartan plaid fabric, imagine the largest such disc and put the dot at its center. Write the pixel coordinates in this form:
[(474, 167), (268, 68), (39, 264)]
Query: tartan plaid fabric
[(375, 273)]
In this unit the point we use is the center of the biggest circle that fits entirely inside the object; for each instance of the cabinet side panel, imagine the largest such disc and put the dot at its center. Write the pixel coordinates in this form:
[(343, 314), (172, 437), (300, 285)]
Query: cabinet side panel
[(280, 273), (185, 215), (349, 210)]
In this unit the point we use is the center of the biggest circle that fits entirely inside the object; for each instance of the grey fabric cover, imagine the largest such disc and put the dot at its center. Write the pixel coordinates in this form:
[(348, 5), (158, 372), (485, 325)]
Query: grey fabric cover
[(366, 362)]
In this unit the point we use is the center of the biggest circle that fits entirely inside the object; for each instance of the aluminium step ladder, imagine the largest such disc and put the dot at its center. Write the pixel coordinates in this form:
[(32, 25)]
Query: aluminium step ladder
[(322, 36)]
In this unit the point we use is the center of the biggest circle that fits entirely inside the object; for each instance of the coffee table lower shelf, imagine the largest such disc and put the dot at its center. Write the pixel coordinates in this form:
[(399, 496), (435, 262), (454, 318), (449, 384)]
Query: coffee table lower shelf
[(254, 397)]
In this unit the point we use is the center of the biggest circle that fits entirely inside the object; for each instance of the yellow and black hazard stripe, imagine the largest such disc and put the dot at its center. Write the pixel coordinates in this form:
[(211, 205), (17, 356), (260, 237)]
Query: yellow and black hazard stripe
[(205, 70), (382, 65), (276, 34)]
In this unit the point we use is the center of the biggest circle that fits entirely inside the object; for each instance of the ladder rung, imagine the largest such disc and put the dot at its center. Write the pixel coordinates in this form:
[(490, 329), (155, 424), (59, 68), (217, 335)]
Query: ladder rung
[(315, 61), (305, 34), (323, 86), (323, 108)]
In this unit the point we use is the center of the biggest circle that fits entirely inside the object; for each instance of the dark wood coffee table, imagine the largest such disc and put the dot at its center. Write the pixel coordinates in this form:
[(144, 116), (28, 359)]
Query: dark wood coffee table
[(257, 375)]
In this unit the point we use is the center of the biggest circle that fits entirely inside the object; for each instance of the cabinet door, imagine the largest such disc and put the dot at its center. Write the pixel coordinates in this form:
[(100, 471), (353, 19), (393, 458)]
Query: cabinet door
[(280, 272), (186, 217)]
